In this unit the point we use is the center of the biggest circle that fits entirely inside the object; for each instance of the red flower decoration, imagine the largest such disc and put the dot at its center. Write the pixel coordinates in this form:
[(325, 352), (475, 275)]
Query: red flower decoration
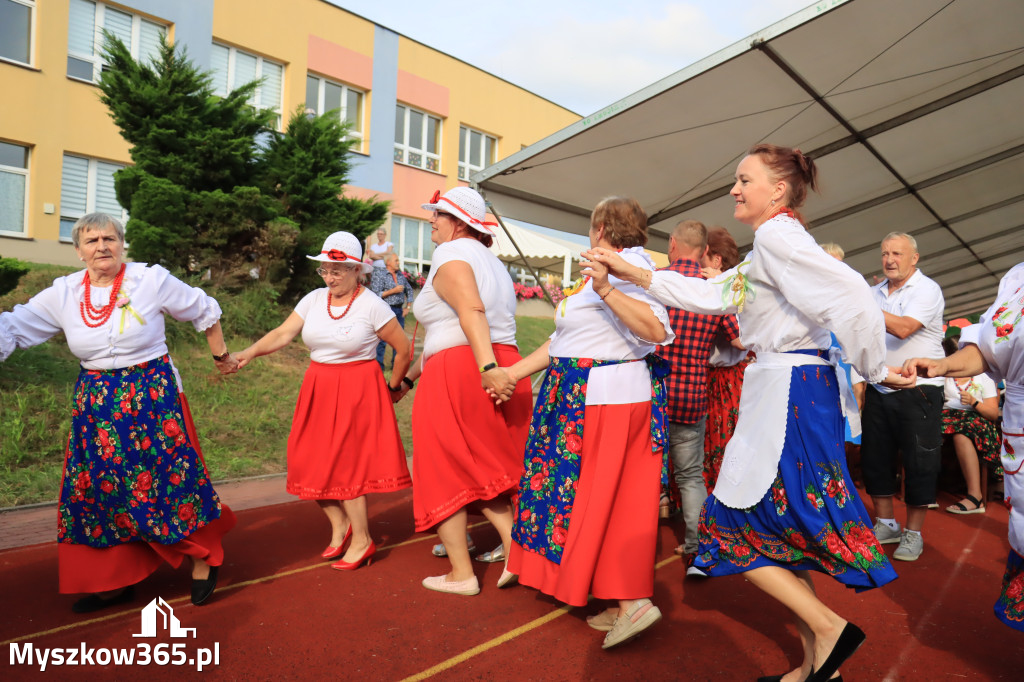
[(97, 531), (153, 394), (144, 481), (798, 540), (123, 521), (83, 482), (106, 486), (537, 482), (574, 443), (185, 511), (1004, 330), (175, 479), (146, 443), (559, 536), (171, 428)]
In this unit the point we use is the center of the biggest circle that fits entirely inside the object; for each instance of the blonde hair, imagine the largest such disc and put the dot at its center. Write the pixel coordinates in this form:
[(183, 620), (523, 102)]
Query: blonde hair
[(834, 250)]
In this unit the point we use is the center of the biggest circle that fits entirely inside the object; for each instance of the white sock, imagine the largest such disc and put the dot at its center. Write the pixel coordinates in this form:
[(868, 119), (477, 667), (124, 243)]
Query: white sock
[(891, 523)]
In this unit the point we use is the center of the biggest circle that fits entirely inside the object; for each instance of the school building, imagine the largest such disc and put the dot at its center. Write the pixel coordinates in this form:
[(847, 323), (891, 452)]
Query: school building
[(423, 120)]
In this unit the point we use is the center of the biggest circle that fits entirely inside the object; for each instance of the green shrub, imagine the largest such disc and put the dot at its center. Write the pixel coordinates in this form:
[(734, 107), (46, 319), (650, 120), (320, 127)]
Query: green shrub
[(11, 272)]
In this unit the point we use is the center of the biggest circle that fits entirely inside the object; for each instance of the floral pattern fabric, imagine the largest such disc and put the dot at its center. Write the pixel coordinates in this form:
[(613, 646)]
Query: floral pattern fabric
[(724, 387), (982, 432), (132, 472), (1009, 607), (551, 470), (811, 517)]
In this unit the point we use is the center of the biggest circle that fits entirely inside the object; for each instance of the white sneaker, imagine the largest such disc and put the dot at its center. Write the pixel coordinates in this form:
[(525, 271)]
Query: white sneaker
[(911, 546), (886, 535), (640, 616)]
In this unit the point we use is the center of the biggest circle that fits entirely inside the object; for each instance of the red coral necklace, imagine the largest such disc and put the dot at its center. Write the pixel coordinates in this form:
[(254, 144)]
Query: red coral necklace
[(350, 302), (91, 315)]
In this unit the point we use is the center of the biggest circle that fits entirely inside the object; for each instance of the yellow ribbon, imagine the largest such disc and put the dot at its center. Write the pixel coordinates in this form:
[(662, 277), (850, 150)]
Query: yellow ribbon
[(125, 309), (736, 288)]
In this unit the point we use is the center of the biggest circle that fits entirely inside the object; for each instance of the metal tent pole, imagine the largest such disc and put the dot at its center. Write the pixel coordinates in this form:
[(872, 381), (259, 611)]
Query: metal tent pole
[(533, 272)]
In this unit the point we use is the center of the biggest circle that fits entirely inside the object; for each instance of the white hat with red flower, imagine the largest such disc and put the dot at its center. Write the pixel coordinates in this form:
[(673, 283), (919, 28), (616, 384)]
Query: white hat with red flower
[(342, 247), (465, 204)]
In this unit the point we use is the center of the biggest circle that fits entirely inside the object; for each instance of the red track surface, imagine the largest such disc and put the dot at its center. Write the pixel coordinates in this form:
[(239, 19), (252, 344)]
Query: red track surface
[(281, 613)]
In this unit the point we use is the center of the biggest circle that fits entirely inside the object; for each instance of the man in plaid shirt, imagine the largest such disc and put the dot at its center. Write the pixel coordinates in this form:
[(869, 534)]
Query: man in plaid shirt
[(688, 383)]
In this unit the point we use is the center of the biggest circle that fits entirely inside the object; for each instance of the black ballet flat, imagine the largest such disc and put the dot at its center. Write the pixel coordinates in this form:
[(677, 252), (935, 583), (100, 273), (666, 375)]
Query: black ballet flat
[(95, 602), (849, 641), (203, 589)]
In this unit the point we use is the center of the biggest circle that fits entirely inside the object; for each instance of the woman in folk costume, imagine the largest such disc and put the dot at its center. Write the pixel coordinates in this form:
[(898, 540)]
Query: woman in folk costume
[(783, 503), (587, 516), (344, 440), (135, 491), (996, 346)]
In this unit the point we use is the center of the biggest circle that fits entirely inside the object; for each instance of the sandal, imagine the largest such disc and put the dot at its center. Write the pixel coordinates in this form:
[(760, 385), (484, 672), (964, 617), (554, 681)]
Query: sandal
[(960, 508)]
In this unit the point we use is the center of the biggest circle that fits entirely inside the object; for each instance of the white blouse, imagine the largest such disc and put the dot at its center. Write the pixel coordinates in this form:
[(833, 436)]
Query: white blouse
[(585, 327), (133, 334), (350, 339), (981, 387), (494, 284), (799, 294)]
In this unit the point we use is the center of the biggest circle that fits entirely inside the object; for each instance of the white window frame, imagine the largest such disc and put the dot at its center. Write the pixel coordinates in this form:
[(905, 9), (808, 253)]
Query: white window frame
[(420, 263), (467, 166), (99, 19), (31, 4), (90, 192), (14, 170), (406, 154), (257, 97), (353, 133)]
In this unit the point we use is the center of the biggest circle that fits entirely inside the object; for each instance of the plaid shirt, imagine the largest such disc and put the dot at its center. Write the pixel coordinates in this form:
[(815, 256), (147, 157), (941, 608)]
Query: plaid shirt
[(381, 279), (688, 354)]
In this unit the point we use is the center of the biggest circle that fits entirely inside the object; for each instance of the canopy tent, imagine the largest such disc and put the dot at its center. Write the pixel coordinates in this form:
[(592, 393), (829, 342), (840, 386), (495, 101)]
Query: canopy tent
[(544, 254), (912, 111)]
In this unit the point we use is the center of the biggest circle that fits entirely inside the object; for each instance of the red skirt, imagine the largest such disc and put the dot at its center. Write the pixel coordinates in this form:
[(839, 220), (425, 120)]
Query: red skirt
[(724, 387), (344, 440), (81, 568), (613, 532), (465, 447)]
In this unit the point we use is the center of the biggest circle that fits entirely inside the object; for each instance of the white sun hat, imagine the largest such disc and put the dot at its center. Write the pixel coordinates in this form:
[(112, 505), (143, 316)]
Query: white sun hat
[(465, 204), (342, 247)]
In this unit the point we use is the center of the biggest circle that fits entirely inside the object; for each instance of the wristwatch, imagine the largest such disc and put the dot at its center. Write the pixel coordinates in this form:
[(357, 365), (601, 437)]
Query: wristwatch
[(408, 382), (488, 367), (222, 357), (393, 389)]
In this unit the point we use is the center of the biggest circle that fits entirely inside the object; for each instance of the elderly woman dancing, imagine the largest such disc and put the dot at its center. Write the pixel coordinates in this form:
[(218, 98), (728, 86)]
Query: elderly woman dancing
[(468, 449), (344, 440), (783, 503), (136, 491), (587, 518), (996, 346)]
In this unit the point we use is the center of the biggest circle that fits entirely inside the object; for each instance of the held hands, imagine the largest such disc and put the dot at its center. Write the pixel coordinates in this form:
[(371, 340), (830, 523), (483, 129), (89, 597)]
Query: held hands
[(244, 357), (898, 378), (500, 384), (228, 365), (924, 367)]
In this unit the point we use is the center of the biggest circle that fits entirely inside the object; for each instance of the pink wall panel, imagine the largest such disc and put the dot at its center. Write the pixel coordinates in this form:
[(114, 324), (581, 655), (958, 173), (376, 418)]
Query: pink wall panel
[(335, 61), (423, 94)]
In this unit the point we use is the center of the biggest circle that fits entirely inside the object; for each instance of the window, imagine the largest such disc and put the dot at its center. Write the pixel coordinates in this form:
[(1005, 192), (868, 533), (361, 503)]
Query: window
[(323, 96), (16, 18), (87, 186), (476, 151), (417, 137), (86, 23), (13, 188), (233, 68), (414, 246)]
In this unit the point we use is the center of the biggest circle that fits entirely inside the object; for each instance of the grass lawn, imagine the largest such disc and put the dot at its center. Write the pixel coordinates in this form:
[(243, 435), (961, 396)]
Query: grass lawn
[(243, 419)]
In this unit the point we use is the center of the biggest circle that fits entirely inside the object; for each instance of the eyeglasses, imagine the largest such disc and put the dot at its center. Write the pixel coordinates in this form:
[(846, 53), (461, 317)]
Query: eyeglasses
[(324, 272)]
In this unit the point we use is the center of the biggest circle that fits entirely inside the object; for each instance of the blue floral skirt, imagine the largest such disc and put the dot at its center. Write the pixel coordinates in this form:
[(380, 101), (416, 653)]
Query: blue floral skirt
[(1010, 605), (133, 470), (811, 518)]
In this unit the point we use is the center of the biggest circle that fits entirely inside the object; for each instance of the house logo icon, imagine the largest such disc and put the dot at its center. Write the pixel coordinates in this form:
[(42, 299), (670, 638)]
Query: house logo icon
[(160, 612)]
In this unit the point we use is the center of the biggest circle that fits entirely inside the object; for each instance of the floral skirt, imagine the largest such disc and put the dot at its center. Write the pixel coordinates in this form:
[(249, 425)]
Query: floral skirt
[(1009, 607), (724, 387), (135, 490), (811, 518), (344, 440), (982, 432)]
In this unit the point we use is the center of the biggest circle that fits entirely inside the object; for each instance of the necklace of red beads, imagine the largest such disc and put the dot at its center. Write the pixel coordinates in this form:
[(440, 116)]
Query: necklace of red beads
[(91, 315), (350, 302), (782, 210)]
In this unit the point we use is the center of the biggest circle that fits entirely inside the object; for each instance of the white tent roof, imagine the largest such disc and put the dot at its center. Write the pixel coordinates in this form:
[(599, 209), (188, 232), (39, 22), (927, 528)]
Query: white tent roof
[(547, 254), (912, 111)]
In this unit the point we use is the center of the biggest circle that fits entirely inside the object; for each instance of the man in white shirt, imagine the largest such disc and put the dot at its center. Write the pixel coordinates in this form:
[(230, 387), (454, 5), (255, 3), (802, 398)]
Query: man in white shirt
[(907, 421)]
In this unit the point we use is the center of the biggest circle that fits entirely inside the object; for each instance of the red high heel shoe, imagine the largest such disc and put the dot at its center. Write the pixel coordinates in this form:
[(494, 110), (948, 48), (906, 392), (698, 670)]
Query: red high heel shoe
[(335, 552), (353, 565)]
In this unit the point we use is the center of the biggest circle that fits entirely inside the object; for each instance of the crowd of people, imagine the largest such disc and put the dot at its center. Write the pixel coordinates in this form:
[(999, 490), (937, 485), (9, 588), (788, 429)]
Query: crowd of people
[(734, 380)]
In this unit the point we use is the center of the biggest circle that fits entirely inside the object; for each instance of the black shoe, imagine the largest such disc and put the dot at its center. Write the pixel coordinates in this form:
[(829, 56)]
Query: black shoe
[(95, 602), (778, 678), (849, 641), (203, 589)]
